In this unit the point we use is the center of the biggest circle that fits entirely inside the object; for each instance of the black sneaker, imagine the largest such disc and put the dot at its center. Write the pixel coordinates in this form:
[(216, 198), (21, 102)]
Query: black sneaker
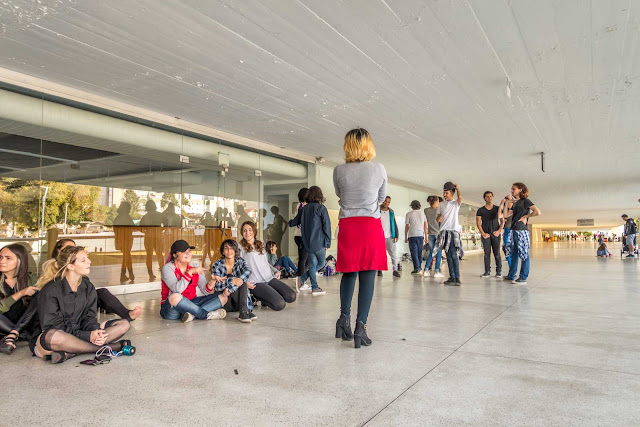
[(379, 273), (396, 273), (252, 316), (244, 317), (486, 274), (450, 281), (317, 291), (458, 282), (519, 282), (498, 275)]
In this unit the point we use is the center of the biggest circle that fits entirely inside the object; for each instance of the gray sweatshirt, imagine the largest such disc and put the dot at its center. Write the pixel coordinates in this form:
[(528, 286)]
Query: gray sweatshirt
[(174, 284), (261, 270), (361, 187)]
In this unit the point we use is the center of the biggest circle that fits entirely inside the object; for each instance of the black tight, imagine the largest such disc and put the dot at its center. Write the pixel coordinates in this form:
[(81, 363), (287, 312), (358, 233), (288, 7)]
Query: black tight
[(58, 340), (111, 304), (274, 294), (238, 300)]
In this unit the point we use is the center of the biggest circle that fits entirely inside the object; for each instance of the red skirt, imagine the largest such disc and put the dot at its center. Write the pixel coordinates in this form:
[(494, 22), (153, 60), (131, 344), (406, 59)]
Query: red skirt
[(361, 245)]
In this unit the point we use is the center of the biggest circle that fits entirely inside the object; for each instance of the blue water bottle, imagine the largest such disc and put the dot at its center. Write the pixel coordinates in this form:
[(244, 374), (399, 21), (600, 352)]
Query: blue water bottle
[(327, 271)]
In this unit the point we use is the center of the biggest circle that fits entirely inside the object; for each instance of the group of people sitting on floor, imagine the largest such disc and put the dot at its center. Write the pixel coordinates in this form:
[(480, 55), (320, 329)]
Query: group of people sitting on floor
[(57, 315)]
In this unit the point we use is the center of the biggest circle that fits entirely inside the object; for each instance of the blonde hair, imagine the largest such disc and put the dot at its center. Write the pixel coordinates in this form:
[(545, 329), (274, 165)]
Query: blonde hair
[(57, 267), (358, 146)]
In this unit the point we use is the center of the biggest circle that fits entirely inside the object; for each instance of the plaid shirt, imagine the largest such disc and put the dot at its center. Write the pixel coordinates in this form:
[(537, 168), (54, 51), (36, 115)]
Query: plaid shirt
[(240, 270)]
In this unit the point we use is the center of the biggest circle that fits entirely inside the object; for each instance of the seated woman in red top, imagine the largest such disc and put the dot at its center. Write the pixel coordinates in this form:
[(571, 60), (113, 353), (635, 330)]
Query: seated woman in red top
[(180, 280)]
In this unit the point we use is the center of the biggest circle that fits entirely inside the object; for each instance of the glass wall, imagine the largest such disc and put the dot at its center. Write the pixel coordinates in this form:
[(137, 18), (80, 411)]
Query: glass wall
[(125, 204)]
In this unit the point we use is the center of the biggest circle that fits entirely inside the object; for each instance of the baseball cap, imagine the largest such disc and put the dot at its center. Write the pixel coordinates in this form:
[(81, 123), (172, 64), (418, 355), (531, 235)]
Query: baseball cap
[(449, 186), (180, 246)]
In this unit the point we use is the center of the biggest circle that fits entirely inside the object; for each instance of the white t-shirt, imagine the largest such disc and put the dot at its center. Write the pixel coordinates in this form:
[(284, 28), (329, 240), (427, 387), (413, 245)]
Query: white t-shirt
[(416, 219), (385, 217), (449, 212)]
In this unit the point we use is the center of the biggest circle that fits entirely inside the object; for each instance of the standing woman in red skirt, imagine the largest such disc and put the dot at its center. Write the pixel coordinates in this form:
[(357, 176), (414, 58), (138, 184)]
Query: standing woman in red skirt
[(361, 186)]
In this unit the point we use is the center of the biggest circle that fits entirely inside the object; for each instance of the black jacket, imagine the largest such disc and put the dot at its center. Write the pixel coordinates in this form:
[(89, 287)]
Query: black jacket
[(71, 312), (315, 226)]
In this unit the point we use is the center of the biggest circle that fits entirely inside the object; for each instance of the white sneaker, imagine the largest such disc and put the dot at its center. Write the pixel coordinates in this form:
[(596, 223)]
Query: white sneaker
[(305, 287), (438, 275), (218, 314), (187, 317), (427, 273)]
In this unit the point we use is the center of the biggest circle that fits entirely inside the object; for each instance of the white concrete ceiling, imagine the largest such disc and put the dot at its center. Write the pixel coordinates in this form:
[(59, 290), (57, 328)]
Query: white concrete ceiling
[(426, 78)]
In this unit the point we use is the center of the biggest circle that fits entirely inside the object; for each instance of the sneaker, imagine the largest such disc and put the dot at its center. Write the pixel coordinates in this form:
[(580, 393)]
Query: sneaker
[(220, 313), (305, 287), (416, 272), (498, 275), (486, 274), (187, 317), (317, 291), (507, 279), (396, 274), (631, 256), (244, 317), (438, 275), (252, 316), (519, 282), (427, 273), (450, 281), (379, 273), (458, 282), (297, 284)]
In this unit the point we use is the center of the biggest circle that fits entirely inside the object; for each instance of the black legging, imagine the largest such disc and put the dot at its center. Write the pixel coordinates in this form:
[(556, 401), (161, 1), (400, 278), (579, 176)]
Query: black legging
[(274, 294), (238, 300), (17, 310), (303, 257), (365, 293)]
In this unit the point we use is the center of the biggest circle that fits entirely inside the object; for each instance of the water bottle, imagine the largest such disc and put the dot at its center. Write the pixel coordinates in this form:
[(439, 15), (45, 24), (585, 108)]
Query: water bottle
[(327, 271)]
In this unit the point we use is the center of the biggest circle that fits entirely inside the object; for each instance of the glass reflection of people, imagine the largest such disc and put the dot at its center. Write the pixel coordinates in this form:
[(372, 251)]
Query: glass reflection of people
[(171, 222), (227, 219), (209, 223), (218, 217), (243, 217), (152, 229), (279, 227), (123, 231)]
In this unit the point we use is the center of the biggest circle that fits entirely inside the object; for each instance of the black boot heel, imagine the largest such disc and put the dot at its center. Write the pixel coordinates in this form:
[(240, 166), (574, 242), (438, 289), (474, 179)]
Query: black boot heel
[(360, 335), (343, 328)]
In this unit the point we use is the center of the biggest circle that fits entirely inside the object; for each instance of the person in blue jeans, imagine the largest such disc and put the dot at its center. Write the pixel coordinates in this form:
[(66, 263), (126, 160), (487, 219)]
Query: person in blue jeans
[(315, 227), (415, 230), (520, 209), (284, 263), (180, 279), (505, 237), (431, 213)]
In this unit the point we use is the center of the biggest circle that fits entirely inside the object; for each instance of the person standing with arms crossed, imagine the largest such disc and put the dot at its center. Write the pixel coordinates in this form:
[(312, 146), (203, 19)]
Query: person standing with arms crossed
[(361, 187), (390, 227), (449, 236), (490, 226)]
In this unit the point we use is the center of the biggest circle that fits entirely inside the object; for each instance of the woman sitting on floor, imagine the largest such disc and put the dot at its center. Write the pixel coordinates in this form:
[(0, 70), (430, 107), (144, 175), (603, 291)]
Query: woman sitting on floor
[(284, 264), (603, 251), (231, 274), (180, 280), (106, 301), (67, 308), (264, 282), (15, 292)]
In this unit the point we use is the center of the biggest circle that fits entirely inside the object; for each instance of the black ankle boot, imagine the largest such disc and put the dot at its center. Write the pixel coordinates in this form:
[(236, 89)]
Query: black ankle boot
[(343, 328), (360, 335)]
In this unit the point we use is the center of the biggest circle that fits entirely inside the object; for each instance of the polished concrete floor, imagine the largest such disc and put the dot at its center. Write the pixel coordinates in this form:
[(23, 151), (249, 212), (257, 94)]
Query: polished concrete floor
[(563, 350)]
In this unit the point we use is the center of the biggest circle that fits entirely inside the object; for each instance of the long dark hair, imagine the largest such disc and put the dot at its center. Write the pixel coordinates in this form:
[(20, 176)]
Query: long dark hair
[(257, 245), (59, 244), (22, 268)]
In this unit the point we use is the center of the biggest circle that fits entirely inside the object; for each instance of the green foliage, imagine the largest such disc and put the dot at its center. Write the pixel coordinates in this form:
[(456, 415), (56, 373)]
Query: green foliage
[(168, 198)]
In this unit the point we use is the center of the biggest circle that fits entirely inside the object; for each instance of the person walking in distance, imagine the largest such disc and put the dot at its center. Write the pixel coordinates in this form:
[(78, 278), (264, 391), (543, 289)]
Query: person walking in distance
[(361, 186), (629, 235), (520, 209), (449, 236), (434, 228), (490, 226), (390, 228), (415, 230)]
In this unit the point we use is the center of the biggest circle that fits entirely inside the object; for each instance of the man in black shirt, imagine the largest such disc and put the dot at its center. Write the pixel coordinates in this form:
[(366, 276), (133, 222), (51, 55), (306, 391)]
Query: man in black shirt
[(490, 227), (629, 235)]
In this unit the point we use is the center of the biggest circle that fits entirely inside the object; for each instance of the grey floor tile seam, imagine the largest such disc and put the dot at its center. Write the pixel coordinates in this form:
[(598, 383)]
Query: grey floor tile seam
[(544, 362), (453, 352)]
